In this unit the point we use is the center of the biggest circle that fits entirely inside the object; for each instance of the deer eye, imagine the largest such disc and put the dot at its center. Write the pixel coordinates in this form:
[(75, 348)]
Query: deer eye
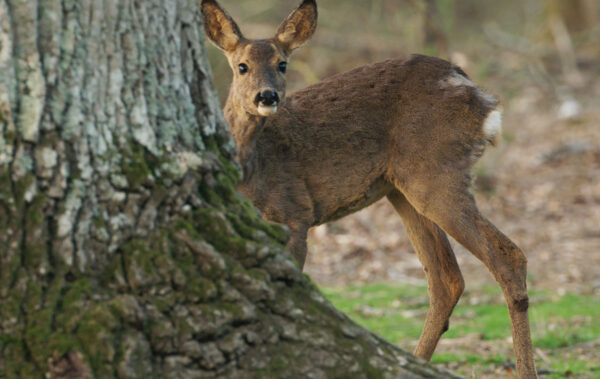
[(243, 68), (283, 67)]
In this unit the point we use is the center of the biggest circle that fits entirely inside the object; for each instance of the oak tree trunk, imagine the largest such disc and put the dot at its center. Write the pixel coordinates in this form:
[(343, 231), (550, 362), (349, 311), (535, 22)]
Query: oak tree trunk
[(124, 249)]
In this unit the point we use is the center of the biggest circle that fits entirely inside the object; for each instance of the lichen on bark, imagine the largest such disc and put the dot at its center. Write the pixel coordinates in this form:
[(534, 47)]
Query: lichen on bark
[(125, 250)]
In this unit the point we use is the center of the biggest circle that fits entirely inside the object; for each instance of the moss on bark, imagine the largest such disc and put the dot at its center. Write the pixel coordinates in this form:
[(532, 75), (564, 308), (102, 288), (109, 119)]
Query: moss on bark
[(125, 250)]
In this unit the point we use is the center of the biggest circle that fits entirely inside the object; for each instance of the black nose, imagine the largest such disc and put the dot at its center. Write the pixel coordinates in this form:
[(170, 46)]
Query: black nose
[(267, 98)]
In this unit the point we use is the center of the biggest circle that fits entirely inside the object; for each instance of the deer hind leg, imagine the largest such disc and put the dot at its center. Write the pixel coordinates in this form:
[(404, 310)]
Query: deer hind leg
[(444, 279), (448, 202)]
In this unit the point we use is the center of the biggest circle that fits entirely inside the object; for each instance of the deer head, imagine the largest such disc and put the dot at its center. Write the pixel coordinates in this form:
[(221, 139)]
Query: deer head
[(259, 66)]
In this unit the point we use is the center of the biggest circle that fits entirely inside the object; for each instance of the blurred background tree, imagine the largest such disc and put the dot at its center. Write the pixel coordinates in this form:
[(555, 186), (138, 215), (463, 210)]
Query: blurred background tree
[(473, 34)]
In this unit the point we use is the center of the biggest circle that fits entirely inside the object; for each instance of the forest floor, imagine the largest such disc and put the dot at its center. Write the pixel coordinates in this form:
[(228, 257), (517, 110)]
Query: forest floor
[(541, 187)]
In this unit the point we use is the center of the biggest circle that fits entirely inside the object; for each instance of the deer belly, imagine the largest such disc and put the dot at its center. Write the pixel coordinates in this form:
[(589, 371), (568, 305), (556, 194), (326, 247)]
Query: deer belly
[(339, 207)]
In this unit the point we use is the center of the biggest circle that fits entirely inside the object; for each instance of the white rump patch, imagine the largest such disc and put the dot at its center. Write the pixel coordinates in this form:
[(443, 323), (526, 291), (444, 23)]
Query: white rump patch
[(456, 80), (492, 126)]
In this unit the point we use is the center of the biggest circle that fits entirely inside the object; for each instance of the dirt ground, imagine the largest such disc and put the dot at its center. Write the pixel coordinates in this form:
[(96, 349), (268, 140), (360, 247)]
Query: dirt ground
[(541, 187)]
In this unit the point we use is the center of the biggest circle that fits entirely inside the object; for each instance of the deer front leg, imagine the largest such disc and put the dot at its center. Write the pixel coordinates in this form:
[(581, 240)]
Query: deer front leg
[(297, 243), (445, 282)]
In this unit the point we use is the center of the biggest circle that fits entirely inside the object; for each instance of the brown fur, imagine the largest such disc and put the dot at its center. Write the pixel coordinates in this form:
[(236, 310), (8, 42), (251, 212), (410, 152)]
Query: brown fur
[(409, 129)]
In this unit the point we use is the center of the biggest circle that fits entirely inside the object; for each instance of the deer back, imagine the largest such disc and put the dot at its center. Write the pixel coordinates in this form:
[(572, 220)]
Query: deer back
[(332, 147)]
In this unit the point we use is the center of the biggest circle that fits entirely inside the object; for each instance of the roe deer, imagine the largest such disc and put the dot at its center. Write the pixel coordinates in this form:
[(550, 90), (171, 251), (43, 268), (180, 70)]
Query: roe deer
[(408, 129)]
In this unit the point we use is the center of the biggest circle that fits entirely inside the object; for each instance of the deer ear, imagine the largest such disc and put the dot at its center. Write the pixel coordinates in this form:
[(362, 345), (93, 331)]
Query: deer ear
[(298, 27), (220, 27)]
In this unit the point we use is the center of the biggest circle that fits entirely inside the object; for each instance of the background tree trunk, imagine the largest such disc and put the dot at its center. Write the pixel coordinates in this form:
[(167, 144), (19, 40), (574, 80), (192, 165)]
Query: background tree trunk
[(124, 249), (433, 37), (578, 15)]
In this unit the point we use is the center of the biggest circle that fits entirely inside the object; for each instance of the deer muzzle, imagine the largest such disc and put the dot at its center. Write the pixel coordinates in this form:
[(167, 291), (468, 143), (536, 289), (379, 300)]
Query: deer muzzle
[(267, 102)]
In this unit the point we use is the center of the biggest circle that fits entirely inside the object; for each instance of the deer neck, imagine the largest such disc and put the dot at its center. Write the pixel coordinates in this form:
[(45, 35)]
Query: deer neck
[(245, 129)]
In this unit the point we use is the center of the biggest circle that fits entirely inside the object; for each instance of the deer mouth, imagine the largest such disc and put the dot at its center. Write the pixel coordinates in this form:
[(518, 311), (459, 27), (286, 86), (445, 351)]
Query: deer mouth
[(267, 101), (267, 110)]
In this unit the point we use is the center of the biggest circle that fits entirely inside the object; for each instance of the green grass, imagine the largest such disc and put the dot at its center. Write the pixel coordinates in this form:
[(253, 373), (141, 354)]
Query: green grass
[(394, 325), (559, 323), (468, 358)]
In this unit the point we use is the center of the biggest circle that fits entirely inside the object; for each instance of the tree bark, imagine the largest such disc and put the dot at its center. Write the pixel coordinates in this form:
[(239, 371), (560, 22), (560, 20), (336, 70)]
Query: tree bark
[(124, 249)]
